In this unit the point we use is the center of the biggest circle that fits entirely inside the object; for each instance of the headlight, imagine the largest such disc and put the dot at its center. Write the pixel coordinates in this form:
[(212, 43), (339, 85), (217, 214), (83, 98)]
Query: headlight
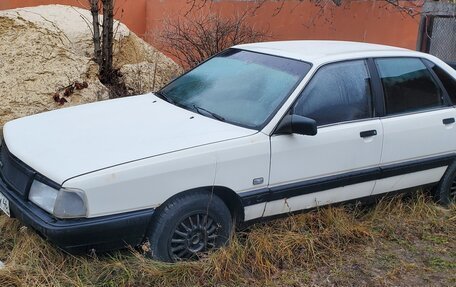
[(70, 203), (43, 195), (64, 203)]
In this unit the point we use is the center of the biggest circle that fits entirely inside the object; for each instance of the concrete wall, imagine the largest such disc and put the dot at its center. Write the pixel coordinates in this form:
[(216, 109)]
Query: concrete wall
[(366, 21), (131, 12)]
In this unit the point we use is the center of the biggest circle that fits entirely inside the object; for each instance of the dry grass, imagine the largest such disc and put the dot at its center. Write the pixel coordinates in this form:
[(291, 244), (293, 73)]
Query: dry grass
[(406, 242)]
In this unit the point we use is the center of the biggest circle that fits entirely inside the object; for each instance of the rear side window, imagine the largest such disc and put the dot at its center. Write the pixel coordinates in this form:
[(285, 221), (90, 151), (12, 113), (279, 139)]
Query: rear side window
[(449, 83), (408, 85), (338, 92)]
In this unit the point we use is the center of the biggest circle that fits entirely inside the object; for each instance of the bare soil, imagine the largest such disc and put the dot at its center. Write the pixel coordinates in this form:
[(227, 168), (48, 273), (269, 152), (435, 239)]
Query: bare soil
[(45, 49)]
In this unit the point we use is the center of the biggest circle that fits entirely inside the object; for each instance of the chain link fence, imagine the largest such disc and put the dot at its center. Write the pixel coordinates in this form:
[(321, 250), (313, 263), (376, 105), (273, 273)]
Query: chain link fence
[(443, 38), (438, 30)]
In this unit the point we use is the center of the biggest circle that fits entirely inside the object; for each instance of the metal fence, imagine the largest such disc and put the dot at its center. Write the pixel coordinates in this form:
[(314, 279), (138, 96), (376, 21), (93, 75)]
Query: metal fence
[(438, 31), (443, 38)]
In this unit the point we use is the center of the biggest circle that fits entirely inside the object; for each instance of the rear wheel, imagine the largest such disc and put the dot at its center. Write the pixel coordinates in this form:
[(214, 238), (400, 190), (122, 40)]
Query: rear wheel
[(445, 193), (189, 226)]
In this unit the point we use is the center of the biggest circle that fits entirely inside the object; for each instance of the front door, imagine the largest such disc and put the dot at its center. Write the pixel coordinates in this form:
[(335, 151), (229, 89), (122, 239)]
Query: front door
[(341, 161)]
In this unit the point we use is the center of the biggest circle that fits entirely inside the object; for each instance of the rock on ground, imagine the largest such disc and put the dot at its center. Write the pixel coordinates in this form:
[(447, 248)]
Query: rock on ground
[(45, 49)]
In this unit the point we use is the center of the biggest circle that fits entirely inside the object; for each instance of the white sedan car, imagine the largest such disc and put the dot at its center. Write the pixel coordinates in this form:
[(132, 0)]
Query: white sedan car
[(257, 131)]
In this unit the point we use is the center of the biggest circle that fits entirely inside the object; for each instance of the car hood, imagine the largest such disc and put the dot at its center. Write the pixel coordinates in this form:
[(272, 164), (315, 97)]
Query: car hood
[(69, 142)]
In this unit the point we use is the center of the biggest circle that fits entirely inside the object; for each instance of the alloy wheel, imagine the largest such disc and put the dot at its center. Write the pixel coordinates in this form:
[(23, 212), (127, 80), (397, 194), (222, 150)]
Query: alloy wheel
[(193, 236), (453, 190)]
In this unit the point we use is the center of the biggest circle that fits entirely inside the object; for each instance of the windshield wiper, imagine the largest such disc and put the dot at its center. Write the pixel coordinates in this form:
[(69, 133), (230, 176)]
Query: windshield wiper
[(163, 96), (203, 111)]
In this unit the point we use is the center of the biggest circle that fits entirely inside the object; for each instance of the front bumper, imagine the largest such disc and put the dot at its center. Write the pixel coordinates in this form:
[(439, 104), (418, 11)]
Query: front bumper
[(78, 236)]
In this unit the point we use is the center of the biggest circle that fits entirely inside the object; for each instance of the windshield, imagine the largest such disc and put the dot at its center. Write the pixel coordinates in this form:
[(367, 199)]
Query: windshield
[(240, 87)]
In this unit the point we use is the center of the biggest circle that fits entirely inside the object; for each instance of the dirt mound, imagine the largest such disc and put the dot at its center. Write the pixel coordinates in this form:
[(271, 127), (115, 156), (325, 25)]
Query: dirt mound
[(45, 49), (144, 68)]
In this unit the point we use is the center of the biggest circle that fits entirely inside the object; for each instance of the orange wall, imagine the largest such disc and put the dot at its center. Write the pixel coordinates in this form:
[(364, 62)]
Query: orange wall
[(367, 21), (133, 14)]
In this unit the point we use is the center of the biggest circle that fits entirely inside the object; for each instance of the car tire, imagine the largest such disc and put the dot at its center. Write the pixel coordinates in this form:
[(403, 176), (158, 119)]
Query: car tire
[(188, 226), (445, 192)]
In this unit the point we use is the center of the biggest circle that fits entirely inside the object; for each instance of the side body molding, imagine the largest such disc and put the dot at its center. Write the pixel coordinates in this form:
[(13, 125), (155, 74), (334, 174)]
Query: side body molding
[(350, 178)]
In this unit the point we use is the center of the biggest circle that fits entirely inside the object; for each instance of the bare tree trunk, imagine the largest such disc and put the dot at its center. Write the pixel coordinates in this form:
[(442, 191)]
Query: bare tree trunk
[(107, 73), (94, 9), (103, 41)]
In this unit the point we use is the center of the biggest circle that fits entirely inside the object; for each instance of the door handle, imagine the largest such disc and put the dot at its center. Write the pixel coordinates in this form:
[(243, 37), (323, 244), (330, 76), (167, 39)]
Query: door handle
[(366, 134), (448, 121)]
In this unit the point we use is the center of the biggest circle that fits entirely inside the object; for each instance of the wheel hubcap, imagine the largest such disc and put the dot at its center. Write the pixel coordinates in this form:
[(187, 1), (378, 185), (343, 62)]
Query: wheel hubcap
[(193, 235)]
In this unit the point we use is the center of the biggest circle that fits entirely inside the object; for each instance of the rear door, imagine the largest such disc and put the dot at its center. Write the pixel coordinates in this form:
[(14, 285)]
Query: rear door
[(338, 163), (419, 125)]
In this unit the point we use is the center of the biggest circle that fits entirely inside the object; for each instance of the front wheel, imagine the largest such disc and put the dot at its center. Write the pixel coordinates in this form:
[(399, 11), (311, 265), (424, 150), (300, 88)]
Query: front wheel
[(445, 193), (189, 226)]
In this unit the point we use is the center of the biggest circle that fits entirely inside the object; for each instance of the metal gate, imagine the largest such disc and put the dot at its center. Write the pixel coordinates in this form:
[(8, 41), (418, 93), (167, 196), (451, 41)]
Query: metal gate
[(438, 31)]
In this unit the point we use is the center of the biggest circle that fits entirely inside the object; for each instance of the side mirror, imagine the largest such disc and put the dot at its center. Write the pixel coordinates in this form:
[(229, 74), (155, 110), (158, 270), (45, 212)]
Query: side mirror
[(295, 124)]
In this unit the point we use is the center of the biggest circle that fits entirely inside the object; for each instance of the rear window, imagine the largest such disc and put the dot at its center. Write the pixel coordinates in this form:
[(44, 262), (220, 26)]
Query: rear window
[(408, 85), (449, 83)]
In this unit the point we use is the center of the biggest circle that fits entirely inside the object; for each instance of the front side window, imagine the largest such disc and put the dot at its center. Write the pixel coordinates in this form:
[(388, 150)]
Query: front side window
[(408, 85), (338, 92), (240, 87)]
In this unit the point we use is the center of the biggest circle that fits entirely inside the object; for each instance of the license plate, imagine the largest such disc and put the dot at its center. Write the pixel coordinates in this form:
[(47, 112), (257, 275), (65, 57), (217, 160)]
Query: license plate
[(4, 205)]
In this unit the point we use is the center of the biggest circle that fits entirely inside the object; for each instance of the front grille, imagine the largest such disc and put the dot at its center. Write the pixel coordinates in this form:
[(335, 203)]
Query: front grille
[(17, 175)]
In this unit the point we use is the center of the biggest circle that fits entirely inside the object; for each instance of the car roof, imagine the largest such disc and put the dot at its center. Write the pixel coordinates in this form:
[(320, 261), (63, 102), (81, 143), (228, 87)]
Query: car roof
[(319, 51)]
